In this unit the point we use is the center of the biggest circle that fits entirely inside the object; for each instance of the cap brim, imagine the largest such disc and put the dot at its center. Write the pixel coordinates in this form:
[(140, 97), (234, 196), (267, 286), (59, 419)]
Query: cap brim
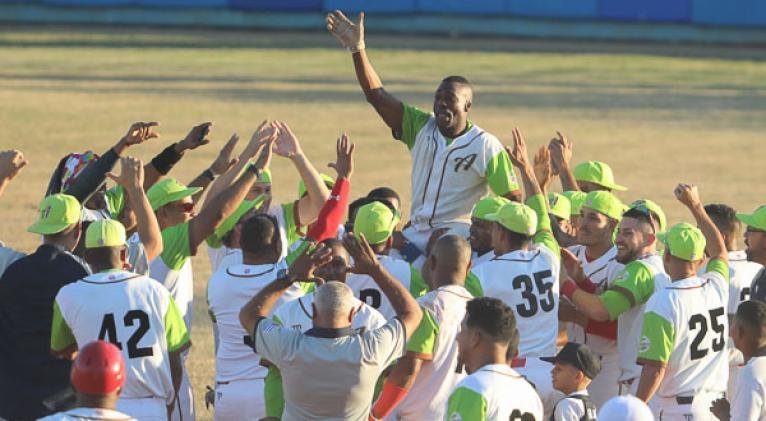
[(47, 229), (617, 187), (494, 217), (173, 197), (551, 360), (749, 220)]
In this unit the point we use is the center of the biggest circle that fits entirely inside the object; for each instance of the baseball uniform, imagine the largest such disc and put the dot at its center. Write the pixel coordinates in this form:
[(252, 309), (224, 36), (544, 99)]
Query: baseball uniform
[(575, 407), (239, 374), (494, 392), (685, 329), (476, 260), (138, 315), (749, 399), (88, 414), (368, 291), (450, 175), (601, 271), (443, 311)]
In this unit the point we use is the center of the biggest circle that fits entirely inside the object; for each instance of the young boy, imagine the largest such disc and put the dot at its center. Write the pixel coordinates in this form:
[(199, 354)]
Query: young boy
[(574, 368)]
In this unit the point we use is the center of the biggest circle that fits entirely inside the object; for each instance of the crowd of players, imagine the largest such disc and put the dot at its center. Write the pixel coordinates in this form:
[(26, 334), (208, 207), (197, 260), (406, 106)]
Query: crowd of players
[(495, 301)]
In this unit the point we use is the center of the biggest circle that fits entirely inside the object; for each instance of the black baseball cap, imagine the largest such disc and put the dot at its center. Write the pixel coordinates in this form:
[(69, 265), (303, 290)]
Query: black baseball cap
[(580, 356)]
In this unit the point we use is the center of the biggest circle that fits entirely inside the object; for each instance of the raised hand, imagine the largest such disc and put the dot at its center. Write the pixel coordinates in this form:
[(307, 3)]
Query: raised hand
[(687, 194), (11, 163), (344, 164), (518, 154), (572, 265), (365, 260), (197, 137), (224, 161), (287, 144), (139, 133), (302, 268), (561, 152), (349, 34), (266, 131), (264, 157), (131, 175), (542, 167)]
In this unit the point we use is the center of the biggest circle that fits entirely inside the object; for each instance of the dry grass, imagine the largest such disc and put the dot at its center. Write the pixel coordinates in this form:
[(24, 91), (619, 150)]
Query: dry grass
[(658, 114)]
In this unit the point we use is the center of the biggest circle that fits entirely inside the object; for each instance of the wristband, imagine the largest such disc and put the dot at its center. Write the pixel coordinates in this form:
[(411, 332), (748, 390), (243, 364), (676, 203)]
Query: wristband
[(569, 288), (166, 159), (389, 398), (208, 174), (252, 168)]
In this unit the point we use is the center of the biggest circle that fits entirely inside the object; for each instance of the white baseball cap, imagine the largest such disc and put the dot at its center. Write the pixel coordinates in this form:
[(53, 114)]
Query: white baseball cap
[(625, 408)]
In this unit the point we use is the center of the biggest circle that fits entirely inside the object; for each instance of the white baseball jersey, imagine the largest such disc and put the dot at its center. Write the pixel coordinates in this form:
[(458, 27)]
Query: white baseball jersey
[(173, 268), (228, 291), (494, 392), (749, 400), (367, 290), (476, 260), (741, 274), (297, 315), (686, 328), (88, 414), (131, 311), (428, 395), (528, 282)]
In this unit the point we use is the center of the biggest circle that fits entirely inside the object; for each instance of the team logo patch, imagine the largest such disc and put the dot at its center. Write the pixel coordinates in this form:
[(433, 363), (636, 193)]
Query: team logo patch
[(465, 162), (269, 328), (644, 344)]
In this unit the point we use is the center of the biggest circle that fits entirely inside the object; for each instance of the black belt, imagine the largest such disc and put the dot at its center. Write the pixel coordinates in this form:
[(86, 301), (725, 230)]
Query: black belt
[(684, 400)]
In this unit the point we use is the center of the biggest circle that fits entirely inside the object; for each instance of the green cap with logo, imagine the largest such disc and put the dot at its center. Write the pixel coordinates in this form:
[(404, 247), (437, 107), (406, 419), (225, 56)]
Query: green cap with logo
[(559, 205), (757, 219), (168, 190), (57, 213), (376, 221), (105, 233), (516, 217), (604, 203), (684, 241), (576, 199), (597, 172), (488, 205), (328, 181), (646, 205)]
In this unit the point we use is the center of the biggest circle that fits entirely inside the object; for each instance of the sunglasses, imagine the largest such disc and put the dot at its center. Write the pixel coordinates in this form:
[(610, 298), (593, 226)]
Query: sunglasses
[(187, 207), (640, 206)]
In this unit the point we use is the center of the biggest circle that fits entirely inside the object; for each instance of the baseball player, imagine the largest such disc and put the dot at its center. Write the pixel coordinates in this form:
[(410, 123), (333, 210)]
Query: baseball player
[(481, 229), (631, 288), (749, 334), (492, 390), (135, 313), (98, 375), (422, 380), (454, 162), (683, 339), (239, 374), (573, 369), (524, 275)]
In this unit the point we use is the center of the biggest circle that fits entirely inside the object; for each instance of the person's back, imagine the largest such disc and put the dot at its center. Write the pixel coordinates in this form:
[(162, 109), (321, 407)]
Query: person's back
[(502, 392), (89, 414), (367, 291)]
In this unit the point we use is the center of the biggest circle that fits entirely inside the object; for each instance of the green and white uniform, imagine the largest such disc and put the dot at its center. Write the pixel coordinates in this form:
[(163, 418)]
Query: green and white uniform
[(450, 175), (494, 393), (138, 315), (368, 291), (685, 329)]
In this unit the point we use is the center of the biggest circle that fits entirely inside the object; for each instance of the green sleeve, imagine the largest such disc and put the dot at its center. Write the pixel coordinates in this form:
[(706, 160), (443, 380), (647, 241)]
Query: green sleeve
[(657, 338), (465, 404), (273, 393), (115, 200), (292, 255), (175, 329), (720, 267), (176, 248), (632, 287), (216, 238), (423, 339), (413, 120), (291, 227), (61, 334), (418, 286), (473, 285), (543, 234), (500, 176)]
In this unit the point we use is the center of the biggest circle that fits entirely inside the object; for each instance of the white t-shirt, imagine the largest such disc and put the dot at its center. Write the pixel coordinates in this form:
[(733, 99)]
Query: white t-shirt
[(572, 408), (749, 400), (367, 290), (297, 315), (228, 291), (88, 414)]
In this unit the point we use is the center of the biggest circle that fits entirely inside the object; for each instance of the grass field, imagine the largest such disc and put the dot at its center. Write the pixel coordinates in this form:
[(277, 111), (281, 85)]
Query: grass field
[(658, 114)]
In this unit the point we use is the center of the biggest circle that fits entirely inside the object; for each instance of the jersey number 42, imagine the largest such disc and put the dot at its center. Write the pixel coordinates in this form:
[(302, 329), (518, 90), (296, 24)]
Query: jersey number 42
[(108, 332)]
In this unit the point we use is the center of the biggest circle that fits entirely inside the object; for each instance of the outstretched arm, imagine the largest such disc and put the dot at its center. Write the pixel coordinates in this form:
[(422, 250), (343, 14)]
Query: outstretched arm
[(11, 163), (715, 246), (351, 36), (161, 164), (222, 163), (561, 158)]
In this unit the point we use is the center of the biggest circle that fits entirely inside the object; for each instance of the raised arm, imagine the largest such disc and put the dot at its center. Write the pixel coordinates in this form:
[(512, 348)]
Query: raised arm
[(11, 163), (561, 158), (161, 164), (131, 179), (365, 262), (715, 246), (332, 212), (351, 36), (222, 163)]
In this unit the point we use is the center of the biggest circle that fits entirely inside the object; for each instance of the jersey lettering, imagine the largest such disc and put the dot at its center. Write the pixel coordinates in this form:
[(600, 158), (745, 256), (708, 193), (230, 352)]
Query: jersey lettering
[(744, 295), (371, 297), (544, 292), (108, 332), (700, 321)]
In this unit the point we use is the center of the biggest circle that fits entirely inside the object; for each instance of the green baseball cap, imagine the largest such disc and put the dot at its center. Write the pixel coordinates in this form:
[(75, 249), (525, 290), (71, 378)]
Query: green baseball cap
[(57, 213), (597, 172), (376, 221), (487, 206), (105, 233), (604, 203), (757, 219), (576, 199), (516, 217), (645, 205), (264, 177), (328, 181), (559, 205), (684, 241), (168, 190)]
